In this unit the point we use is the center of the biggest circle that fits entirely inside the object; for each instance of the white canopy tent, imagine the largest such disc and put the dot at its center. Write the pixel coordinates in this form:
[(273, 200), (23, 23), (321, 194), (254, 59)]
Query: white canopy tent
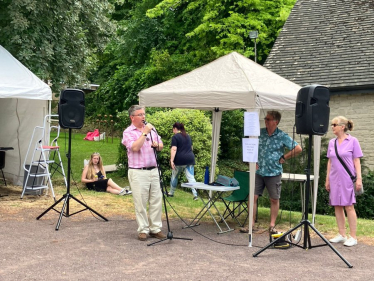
[(228, 83), (23, 105)]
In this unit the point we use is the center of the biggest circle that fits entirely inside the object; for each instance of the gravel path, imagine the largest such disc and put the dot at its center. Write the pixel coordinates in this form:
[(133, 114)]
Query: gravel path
[(85, 248)]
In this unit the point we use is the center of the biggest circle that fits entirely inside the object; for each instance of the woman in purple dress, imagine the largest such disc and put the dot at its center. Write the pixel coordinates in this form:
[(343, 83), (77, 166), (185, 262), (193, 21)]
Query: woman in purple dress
[(338, 182)]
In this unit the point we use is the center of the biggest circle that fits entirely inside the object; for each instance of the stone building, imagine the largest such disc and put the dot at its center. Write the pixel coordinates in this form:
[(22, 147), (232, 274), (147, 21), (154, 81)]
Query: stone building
[(331, 43)]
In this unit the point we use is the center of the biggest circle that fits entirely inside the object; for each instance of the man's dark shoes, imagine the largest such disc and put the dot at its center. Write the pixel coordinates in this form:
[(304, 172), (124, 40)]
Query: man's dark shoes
[(158, 235), (142, 236)]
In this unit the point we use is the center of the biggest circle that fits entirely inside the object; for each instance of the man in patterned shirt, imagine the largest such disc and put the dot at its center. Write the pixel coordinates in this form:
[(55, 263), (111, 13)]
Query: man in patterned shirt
[(140, 141), (271, 156)]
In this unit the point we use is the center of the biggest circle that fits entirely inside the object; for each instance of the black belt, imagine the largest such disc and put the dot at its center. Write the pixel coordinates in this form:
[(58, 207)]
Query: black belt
[(144, 168)]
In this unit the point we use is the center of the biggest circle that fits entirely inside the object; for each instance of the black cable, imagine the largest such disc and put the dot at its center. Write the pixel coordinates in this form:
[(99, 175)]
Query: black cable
[(206, 237), (166, 200)]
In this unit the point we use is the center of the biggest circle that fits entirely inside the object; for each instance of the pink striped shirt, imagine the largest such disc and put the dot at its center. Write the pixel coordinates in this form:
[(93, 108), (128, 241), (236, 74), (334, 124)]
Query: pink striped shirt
[(145, 157)]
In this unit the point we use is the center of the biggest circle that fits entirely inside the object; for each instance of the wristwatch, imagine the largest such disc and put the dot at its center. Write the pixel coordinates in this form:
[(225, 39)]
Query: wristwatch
[(144, 134), (282, 157)]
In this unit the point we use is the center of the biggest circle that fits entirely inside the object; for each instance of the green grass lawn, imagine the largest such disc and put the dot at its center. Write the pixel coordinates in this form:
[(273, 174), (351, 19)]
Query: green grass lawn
[(82, 149), (183, 203)]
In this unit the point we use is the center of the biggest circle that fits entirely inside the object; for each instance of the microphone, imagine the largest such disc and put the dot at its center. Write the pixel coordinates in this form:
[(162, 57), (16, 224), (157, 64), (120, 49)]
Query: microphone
[(153, 128)]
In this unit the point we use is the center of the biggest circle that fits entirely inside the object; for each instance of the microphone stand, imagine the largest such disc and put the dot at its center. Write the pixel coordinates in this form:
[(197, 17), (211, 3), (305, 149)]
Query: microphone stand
[(163, 190)]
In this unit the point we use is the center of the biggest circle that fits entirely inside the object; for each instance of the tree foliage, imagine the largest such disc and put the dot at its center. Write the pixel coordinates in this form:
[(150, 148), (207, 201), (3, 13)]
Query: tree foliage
[(158, 40), (223, 26), (56, 40)]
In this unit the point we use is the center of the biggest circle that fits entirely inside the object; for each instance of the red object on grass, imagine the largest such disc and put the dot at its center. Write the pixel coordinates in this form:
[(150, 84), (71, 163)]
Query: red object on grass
[(90, 135)]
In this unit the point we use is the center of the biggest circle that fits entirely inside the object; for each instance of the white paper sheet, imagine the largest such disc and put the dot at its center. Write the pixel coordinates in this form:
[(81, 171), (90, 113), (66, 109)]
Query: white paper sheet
[(250, 149), (251, 124)]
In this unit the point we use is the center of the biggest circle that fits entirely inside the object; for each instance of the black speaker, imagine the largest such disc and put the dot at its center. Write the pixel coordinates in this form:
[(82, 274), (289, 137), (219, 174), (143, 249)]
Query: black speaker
[(71, 109), (312, 111)]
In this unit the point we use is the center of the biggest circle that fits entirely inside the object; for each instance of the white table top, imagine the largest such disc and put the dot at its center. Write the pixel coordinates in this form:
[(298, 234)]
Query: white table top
[(295, 177), (200, 185)]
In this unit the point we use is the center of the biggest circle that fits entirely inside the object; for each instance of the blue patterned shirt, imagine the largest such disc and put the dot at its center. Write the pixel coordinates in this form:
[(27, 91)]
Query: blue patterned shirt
[(270, 149)]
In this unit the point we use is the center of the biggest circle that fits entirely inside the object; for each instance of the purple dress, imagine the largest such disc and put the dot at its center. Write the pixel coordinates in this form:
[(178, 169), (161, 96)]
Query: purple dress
[(341, 186)]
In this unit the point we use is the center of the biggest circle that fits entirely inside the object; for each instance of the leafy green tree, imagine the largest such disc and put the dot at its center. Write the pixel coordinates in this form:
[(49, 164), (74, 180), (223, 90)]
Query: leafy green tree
[(232, 133), (158, 40), (224, 25), (57, 40)]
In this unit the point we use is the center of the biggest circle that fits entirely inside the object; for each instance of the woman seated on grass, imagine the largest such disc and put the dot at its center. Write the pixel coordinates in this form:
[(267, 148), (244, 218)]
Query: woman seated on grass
[(95, 178)]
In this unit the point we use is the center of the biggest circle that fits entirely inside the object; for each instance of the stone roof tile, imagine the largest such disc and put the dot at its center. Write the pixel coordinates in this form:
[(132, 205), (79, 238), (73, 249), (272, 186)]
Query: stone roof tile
[(329, 42)]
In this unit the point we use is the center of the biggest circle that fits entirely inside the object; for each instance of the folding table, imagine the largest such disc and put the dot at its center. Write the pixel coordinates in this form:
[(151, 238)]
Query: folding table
[(217, 192), (302, 179)]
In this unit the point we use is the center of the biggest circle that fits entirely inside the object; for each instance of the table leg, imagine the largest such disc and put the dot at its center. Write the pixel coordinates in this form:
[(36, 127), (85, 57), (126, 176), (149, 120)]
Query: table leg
[(207, 205), (219, 196)]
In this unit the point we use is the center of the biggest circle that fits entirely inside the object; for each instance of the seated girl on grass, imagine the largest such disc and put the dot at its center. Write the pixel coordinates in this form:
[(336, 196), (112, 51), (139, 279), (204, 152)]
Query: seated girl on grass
[(94, 177)]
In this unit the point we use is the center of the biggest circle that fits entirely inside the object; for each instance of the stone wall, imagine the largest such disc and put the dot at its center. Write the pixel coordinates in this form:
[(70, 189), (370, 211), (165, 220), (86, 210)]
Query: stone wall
[(358, 108)]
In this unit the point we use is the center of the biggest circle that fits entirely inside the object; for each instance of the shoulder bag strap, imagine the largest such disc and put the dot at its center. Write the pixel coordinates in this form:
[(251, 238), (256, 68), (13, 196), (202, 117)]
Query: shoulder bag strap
[(342, 162)]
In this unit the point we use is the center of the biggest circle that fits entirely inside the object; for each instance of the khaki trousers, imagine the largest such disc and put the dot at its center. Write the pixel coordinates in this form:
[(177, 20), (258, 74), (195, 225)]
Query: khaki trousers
[(145, 186)]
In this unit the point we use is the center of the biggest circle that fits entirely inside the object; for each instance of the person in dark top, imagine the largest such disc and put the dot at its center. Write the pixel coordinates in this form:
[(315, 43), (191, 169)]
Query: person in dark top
[(181, 158), (94, 177)]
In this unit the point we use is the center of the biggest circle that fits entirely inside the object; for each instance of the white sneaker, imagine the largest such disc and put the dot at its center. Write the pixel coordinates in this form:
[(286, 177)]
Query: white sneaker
[(338, 238), (350, 242)]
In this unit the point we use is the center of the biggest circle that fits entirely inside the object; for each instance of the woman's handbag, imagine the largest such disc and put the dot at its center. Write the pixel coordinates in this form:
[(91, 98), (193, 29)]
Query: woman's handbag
[(353, 178)]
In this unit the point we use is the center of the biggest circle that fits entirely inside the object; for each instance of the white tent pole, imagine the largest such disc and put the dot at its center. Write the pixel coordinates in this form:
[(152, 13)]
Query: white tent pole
[(252, 175), (317, 153), (216, 128)]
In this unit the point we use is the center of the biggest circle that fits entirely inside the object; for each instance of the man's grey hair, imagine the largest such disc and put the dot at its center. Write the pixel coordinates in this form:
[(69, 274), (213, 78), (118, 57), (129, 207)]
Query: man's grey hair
[(275, 114), (134, 108)]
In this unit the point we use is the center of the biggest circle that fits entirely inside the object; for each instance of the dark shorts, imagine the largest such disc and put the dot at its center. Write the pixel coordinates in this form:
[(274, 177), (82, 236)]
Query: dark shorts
[(100, 185), (273, 185)]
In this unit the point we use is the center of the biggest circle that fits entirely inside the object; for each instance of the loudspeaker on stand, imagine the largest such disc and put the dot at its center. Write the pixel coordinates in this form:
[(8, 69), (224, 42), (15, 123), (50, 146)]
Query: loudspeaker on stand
[(312, 111), (71, 109)]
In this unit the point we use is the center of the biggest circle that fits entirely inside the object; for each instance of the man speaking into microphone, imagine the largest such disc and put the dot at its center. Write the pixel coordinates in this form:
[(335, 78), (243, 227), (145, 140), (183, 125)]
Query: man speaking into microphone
[(140, 140)]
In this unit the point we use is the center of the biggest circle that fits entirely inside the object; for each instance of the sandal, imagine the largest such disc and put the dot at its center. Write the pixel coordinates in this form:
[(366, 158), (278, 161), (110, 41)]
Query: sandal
[(272, 230), (246, 230)]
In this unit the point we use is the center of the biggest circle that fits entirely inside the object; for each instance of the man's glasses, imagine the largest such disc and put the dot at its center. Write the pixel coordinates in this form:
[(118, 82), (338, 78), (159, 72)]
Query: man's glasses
[(334, 125), (268, 119), (139, 115)]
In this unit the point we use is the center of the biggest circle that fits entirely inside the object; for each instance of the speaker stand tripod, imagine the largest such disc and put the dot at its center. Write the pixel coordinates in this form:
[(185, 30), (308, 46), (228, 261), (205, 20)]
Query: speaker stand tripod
[(67, 196), (307, 242), (169, 235)]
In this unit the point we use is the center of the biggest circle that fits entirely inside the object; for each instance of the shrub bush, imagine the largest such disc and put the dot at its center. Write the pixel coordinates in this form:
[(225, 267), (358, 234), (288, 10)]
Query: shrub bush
[(197, 125)]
